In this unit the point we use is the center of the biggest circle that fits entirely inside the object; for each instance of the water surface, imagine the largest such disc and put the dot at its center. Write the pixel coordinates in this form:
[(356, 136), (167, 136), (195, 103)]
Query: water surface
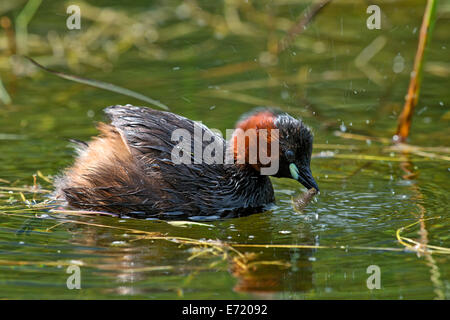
[(203, 63)]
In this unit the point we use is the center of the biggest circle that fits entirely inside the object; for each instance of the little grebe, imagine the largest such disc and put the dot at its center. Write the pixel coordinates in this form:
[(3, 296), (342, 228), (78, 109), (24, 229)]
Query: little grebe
[(129, 168)]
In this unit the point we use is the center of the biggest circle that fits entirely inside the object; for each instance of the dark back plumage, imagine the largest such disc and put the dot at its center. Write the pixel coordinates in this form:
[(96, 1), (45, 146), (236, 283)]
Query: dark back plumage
[(136, 175)]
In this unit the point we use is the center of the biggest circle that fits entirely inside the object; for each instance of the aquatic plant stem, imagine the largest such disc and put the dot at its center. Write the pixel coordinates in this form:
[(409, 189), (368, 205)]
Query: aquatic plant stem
[(307, 16), (405, 118), (22, 21), (4, 96), (422, 246), (101, 85)]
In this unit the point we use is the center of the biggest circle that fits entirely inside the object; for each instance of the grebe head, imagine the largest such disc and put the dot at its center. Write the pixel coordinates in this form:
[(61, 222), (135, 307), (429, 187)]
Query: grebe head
[(295, 141)]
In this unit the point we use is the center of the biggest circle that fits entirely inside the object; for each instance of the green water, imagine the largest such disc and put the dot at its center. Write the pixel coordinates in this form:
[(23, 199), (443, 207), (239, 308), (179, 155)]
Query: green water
[(213, 71)]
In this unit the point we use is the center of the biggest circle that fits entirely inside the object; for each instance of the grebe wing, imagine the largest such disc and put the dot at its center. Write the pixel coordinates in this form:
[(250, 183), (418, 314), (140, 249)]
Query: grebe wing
[(149, 132)]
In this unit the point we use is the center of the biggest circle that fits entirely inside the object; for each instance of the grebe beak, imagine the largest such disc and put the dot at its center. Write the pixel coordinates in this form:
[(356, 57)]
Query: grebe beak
[(304, 176)]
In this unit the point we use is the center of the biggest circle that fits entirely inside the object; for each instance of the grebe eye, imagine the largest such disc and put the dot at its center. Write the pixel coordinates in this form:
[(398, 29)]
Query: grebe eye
[(290, 155)]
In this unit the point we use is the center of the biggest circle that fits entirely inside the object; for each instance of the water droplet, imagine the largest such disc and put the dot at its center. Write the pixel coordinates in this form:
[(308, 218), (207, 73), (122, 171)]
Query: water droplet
[(267, 59), (183, 11), (118, 243), (422, 110), (399, 64), (284, 95)]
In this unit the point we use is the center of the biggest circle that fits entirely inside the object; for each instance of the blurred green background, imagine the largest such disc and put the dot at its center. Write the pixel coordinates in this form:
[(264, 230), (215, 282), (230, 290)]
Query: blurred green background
[(211, 61)]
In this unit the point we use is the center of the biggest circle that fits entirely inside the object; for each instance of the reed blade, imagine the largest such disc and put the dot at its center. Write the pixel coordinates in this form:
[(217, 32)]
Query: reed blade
[(405, 118), (101, 85)]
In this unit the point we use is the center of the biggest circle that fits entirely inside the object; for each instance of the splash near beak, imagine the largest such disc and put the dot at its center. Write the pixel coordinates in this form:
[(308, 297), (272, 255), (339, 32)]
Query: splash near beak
[(304, 177)]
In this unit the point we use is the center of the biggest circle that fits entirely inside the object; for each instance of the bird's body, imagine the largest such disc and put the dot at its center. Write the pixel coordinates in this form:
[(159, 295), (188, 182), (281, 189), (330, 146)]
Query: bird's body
[(129, 169)]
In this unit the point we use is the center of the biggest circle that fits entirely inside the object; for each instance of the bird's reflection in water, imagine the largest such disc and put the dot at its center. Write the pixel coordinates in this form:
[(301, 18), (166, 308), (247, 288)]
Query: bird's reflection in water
[(269, 272), (124, 260), (139, 267)]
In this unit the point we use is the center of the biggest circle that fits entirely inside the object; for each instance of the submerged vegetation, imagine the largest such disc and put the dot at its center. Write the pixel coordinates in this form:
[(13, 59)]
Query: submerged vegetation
[(272, 72)]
